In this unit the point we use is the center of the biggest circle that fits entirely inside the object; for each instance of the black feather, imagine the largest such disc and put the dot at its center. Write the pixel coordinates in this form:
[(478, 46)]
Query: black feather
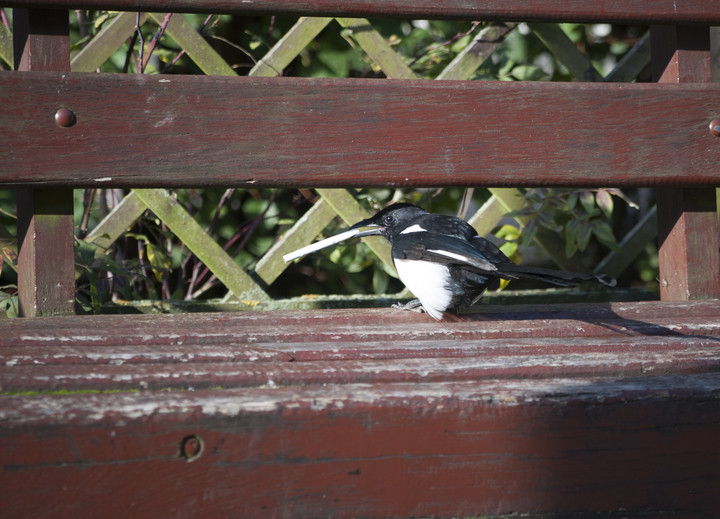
[(469, 262)]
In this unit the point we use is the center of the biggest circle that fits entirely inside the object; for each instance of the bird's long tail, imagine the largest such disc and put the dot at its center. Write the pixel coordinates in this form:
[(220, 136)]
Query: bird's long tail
[(555, 277)]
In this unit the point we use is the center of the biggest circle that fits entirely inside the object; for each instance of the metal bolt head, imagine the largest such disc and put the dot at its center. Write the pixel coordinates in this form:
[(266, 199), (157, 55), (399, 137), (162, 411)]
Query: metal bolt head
[(715, 127), (64, 118)]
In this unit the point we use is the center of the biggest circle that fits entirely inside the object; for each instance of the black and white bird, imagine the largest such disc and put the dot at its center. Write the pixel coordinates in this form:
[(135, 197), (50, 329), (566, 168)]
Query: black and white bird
[(445, 264)]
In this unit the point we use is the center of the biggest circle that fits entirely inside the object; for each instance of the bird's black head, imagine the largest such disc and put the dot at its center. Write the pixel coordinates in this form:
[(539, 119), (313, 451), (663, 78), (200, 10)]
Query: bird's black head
[(391, 220)]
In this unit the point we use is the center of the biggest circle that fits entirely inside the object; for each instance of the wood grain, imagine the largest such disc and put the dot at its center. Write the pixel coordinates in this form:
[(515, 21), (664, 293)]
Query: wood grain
[(151, 131), (46, 260), (577, 410), (689, 251), (629, 11)]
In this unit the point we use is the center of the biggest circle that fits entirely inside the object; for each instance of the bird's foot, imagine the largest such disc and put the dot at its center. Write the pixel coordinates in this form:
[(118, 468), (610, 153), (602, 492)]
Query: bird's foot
[(413, 306)]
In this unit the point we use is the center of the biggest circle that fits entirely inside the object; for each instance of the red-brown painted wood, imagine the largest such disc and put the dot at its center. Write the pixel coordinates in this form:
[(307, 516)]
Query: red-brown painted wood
[(46, 260), (628, 11), (298, 132), (689, 247), (579, 410)]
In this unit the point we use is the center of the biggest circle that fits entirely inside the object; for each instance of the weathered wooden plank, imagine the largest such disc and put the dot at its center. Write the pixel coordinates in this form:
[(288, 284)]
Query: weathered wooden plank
[(338, 133), (475, 360), (565, 446), (337, 328), (688, 231), (556, 355), (308, 413), (635, 11), (688, 239), (46, 262)]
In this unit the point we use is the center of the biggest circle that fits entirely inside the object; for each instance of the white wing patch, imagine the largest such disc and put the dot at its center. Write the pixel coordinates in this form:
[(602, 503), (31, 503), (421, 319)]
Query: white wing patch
[(413, 228), (428, 282), (451, 255), (485, 265)]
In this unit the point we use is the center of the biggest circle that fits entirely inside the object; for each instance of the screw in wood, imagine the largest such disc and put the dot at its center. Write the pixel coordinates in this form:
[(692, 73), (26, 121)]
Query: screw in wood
[(715, 127), (191, 447), (64, 118)]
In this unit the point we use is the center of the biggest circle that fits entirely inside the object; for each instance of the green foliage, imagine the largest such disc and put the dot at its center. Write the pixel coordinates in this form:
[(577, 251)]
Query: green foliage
[(577, 215)]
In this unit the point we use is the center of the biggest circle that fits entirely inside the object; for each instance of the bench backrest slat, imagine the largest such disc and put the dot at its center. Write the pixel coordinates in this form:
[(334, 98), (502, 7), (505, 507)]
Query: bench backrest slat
[(628, 11), (182, 131)]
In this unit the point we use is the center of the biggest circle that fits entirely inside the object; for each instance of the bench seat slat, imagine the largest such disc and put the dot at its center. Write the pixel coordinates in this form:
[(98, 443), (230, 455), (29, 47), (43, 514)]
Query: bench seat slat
[(466, 448), (290, 330), (528, 358), (554, 408), (629, 11), (191, 131)]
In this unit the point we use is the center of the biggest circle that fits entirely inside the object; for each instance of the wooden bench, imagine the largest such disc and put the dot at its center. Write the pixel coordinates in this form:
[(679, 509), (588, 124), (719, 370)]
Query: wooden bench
[(582, 410)]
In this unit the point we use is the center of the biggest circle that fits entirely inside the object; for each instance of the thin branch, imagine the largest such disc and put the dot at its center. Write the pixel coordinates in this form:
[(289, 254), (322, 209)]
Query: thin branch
[(154, 41), (138, 31)]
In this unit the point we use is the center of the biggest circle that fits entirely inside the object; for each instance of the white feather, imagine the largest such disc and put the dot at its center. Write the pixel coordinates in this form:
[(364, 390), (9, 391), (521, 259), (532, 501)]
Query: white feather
[(450, 255), (413, 228), (427, 281), (464, 259)]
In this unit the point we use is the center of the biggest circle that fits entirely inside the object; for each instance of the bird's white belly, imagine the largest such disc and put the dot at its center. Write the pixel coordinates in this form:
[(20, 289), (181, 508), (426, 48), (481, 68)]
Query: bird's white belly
[(428, 282)]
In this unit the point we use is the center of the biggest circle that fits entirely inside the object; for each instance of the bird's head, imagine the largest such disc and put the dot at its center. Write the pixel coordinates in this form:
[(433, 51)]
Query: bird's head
[(390, 221)]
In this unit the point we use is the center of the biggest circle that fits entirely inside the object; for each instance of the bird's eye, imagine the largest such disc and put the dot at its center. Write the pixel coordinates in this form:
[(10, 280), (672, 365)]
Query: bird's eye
[(388, 219)]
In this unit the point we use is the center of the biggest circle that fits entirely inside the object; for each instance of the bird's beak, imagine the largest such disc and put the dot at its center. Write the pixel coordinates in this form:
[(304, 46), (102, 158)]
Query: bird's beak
[(375, 230)]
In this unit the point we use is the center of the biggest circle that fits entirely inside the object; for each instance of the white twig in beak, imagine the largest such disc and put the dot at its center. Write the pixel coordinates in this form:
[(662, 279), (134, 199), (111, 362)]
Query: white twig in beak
[(322, 244)]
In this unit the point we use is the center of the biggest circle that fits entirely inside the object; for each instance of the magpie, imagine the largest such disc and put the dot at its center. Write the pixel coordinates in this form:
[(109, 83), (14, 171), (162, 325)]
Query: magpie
[(445, 264)]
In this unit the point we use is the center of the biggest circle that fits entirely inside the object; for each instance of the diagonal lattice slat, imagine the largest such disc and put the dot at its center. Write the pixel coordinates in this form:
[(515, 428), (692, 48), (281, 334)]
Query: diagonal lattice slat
[(203, 246), (289, 46)]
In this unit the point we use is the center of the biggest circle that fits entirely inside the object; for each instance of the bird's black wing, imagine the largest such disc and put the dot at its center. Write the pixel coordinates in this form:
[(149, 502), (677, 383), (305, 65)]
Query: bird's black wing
[(483, 257), (441, 248), (446, 225)]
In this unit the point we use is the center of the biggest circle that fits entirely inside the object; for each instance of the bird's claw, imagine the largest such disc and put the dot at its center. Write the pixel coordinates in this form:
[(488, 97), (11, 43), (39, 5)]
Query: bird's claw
[(412, 306)]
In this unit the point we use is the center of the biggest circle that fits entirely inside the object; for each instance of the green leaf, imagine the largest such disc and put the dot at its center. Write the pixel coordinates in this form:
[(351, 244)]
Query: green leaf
[(570, 248), (604, 233), (621, 196), (546, 220), (585, 231), (587, 199), (571, 238), (528, 233), (509, 248), (380, 281), (604, 202), (528, 73), (159, 260), (508, 232), (572, 200)]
